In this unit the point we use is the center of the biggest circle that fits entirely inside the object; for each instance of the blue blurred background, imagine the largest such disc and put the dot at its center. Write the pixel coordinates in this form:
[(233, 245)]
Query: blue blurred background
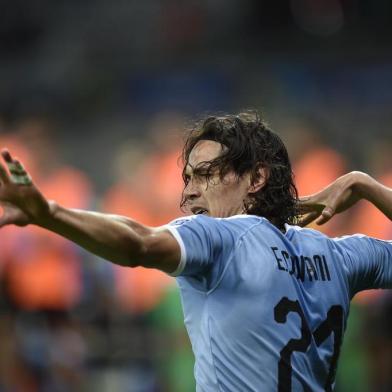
[(94, 98)]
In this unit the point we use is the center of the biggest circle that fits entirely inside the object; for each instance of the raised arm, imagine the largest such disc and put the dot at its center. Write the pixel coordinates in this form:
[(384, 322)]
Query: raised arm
[(117, 239), (342, 194)]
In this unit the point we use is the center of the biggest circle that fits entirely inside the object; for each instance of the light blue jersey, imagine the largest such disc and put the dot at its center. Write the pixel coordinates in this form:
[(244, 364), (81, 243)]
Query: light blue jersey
[(266, 311)]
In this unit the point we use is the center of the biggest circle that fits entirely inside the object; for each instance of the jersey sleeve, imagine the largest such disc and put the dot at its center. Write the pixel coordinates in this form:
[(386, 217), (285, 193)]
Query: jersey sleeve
[(204, 242), (368, 262)]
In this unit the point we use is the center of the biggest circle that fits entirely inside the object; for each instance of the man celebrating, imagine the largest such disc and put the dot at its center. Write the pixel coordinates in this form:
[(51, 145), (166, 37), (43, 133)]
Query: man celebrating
[(265, 303)]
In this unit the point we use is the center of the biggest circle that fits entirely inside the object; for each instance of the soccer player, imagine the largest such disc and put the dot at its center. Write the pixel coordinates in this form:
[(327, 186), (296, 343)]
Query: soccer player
[(265, 302)]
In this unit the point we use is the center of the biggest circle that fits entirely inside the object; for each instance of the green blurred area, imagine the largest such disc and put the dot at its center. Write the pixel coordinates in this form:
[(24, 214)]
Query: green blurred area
[(177, 361), (352, 373)]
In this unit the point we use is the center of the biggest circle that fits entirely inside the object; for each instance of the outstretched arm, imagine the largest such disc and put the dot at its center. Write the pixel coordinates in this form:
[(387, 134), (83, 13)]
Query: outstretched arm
[(342, 194), (115, 238)]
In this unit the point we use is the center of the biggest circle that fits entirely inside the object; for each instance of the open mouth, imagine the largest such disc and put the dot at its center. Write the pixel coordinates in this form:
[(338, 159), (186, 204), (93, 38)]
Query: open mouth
[(199, 211)]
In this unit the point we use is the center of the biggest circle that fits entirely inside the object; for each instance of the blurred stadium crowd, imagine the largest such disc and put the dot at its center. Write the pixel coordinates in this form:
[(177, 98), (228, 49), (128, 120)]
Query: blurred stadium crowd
[(94, 98)]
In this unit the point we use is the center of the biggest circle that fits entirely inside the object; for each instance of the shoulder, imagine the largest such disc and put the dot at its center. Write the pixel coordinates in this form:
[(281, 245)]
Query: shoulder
[(234, 227), (244, 221), (297, 231)]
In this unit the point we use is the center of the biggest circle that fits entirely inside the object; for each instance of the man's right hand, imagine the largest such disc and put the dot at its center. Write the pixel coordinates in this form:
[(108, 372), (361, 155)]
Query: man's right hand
[(20, 199), (117, 239)]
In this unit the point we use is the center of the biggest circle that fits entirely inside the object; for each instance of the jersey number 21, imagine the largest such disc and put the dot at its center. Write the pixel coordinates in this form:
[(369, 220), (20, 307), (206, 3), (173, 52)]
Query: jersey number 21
[(332, 324)]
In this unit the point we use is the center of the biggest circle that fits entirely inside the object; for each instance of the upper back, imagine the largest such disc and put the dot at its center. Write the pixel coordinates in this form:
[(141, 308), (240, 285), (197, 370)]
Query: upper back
[(271, 305)]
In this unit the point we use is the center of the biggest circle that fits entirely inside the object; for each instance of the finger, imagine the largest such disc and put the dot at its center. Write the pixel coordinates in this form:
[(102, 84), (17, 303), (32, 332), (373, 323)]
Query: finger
[(306, 208), (6, 155), (306, 198), (326, 215), (308, 218), (309, 203), (19, 174), (4, 177), (3, 172)]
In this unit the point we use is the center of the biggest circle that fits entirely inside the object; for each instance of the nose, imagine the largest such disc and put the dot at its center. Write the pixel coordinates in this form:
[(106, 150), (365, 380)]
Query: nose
[(191, 191)]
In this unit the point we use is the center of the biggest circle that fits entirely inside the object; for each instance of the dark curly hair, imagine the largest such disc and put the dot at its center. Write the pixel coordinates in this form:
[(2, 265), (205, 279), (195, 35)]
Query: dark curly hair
[(250, 145)]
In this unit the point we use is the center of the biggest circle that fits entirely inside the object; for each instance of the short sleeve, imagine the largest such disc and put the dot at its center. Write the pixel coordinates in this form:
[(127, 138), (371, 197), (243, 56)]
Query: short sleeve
[(204, 243), (368, 262)]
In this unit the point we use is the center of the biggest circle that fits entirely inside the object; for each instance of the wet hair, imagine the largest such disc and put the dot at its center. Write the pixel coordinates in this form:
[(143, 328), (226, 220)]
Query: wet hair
[(248, 146)]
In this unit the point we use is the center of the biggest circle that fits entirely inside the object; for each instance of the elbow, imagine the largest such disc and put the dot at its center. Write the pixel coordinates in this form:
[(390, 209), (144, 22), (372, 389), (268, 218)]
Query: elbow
[(147, 251)]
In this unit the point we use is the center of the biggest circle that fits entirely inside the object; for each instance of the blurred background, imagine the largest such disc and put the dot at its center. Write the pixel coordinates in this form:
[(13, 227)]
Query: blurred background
[(94, 98)]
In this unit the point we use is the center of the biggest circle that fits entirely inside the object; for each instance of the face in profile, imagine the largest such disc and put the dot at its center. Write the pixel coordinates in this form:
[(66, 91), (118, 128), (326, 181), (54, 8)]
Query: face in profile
[(213, 195)]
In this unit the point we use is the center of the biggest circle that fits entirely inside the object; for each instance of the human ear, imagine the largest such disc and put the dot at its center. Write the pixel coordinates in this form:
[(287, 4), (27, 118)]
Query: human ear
[(258, 181)]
